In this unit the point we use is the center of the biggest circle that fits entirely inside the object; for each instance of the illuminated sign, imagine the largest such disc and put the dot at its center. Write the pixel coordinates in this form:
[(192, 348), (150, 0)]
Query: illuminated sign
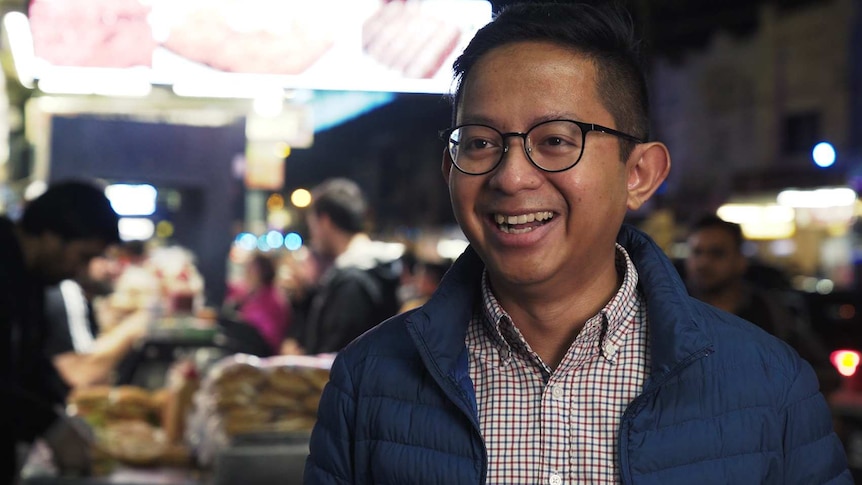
[(238, 48)]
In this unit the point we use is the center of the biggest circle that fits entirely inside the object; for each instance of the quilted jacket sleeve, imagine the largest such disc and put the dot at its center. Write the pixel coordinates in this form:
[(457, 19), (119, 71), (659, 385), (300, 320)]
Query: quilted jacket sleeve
[(813, 454), (331, 447)]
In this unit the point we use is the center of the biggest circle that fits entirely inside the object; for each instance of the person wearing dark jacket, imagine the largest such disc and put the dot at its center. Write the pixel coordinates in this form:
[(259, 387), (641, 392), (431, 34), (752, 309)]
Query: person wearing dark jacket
[(716, 272), (358, 289), (562, 346), (57, 235)]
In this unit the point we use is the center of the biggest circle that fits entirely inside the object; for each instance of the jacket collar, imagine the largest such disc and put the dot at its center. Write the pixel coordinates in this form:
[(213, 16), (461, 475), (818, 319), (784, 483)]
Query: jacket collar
[(674, 331), (440, 326)]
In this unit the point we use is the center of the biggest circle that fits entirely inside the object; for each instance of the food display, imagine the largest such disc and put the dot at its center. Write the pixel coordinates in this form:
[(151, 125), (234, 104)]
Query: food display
[(93, 33), (245, 395), (216, 34), (404, 37), (127, 424)]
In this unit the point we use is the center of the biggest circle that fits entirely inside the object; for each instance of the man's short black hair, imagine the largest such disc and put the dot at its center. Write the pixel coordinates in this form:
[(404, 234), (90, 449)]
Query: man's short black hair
[(72, 210), (713, 221), (604, 33), (343, 202)]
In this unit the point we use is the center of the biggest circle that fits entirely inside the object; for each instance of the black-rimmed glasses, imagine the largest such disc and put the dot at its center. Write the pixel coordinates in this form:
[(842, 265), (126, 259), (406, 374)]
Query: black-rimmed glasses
[(552, 146)]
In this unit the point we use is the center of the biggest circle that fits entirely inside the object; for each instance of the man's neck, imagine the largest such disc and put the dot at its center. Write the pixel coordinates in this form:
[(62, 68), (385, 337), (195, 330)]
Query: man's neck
[(341, 242), (551, 322)]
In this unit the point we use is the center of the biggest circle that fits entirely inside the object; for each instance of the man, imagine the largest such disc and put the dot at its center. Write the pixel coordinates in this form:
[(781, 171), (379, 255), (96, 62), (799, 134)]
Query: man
[(82, 354), (715, 272), (57, 235), (562, 347), (358, 290)]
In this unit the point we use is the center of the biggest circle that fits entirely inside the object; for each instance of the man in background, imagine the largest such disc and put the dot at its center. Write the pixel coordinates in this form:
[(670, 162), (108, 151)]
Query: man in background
[(56, 237), (715, 272), (82, 352), (359, 287)]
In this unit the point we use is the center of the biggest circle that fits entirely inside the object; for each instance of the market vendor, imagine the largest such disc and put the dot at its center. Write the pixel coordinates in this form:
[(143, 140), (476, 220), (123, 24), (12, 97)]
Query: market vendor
[(80, 350), (58, 233)]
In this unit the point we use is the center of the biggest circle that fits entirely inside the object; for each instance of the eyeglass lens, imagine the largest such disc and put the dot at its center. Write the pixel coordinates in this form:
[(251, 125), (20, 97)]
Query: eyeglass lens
[(552, 146)]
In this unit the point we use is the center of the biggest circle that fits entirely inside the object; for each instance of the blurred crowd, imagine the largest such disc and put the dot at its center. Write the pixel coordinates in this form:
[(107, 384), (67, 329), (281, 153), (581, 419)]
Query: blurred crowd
[(319, 298)]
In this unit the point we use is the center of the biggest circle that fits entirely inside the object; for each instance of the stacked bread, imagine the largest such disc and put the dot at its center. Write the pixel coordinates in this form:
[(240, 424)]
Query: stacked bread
[(127, 423), (246, 395)]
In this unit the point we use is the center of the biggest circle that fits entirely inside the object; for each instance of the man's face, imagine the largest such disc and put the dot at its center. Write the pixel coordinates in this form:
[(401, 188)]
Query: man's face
[(318, 227), (512, 88), (714, 262), (60, 259)]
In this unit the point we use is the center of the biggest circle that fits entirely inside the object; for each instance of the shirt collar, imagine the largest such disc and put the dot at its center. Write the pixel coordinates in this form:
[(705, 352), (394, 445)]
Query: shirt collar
[(616, 314)]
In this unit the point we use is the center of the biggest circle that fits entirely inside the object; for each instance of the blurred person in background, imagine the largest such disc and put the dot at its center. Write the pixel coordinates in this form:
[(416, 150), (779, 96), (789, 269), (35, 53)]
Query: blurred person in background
[(181, 286), (716, 272), (58, 234), (562, 346), (83, 354), (358, 288), (135, 286), (259, 302), (425, 277), (303, 268)]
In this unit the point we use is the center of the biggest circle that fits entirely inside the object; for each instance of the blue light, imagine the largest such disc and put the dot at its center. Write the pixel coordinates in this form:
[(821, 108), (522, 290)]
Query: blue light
[(274, 239), (292, 241), (262, 245), (246, 241), (823, 154)]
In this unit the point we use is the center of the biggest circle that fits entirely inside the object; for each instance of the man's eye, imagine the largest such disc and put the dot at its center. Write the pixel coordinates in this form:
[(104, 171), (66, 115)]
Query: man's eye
[(556, 141), (475, 144)]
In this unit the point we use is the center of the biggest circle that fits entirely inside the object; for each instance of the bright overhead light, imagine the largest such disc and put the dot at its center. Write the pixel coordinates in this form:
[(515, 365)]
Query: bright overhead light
[(760, 221), (131, 82), (136, 228), (132, 200), (817, 198), (231, 85), (17, 27)]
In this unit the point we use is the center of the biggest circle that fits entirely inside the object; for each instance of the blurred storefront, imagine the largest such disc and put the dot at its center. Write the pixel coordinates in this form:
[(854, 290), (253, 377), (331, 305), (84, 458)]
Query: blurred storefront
[(762, 126), (191, 111), (205, 101)]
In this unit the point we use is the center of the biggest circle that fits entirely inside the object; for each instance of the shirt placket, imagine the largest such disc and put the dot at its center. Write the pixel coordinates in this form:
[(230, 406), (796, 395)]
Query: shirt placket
[(555, 426)]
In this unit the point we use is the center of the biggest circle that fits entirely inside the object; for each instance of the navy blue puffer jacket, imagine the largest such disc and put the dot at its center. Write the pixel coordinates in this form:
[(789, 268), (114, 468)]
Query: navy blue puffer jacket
[(725, 403)]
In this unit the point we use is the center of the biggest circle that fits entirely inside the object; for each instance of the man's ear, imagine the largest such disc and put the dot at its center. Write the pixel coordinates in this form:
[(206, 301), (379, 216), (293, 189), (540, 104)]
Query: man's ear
[(447, 165), (647, 168)]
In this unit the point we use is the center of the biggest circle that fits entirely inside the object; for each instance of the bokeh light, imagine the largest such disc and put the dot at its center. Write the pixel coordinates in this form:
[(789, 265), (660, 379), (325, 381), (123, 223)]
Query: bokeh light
[(274, 239), (300, 198), (292, 241), (823, 154)]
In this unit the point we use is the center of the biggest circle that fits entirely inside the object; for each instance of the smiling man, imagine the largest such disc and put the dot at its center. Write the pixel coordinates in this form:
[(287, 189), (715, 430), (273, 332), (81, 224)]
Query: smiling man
[(562, 347)]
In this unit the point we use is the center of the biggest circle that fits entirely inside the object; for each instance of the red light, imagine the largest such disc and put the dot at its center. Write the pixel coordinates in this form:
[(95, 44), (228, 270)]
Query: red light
[(845, 361)]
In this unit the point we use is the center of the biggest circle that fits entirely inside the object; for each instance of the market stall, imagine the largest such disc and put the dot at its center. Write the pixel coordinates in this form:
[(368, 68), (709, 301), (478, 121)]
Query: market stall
[(240, 419)]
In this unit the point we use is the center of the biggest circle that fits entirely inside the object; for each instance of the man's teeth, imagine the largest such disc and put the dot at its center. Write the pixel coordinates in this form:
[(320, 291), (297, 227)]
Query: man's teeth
[(523, 218)]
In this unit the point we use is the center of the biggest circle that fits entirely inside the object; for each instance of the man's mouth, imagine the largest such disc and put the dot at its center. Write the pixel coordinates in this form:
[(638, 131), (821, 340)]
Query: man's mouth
[(522, 223)]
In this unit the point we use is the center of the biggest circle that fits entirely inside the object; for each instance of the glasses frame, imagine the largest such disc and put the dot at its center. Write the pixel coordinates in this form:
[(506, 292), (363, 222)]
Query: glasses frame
[(452, 145)]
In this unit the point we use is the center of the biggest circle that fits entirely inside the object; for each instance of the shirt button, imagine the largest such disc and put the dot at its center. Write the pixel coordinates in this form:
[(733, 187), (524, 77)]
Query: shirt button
[(555, 479), (557, 393)]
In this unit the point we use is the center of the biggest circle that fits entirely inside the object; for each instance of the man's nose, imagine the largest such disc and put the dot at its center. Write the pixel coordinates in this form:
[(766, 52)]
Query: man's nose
[(515, 171)]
